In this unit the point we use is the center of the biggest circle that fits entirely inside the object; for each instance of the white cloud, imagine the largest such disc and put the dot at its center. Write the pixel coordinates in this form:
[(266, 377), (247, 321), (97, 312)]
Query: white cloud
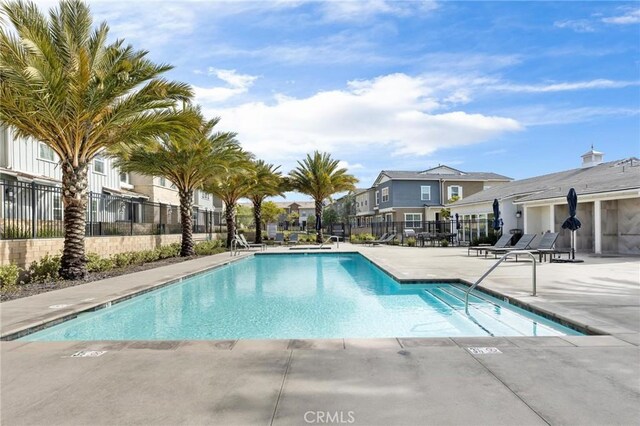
[(562, 87), (363, 10), (395, 113), (236, 85), (346, 165), (630, 17), (578, 25)]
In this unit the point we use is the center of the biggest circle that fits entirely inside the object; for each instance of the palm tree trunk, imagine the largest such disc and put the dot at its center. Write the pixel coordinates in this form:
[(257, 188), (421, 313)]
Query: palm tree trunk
[(73, 264), (230, 216), (257, 218), (186, 220), (319, 238)]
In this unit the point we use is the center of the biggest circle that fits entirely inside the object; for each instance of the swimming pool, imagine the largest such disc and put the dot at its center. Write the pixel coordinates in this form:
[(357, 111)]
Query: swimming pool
[(289, 296)]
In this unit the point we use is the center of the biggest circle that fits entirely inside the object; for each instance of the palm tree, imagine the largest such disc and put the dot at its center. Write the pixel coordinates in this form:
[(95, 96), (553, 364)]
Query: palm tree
[(268, 183), (320, 177), (188, 159), (62, 84), (232, 186)]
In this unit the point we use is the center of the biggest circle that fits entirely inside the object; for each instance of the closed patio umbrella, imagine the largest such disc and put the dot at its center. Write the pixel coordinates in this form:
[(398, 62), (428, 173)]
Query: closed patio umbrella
[(458, 221), (496, 215), (572, 223)]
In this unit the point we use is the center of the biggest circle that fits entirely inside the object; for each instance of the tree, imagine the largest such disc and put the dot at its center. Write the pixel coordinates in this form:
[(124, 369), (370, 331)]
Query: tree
[(329, 217), (62, 84), (268, 183), (311, 222), (232, 186), (319, 176), (270, 212), (188, 159)]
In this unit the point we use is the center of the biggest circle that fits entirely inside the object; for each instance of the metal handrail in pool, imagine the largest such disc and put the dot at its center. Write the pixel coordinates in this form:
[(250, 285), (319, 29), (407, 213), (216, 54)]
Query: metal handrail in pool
[(504, 257)]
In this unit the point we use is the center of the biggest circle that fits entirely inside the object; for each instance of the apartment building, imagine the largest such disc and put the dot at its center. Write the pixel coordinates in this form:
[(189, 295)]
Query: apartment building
[(113, 195), (413, 197)]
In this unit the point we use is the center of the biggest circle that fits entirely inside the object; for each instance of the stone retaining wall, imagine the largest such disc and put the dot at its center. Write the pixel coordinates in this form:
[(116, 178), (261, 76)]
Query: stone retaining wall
[(23, 252)]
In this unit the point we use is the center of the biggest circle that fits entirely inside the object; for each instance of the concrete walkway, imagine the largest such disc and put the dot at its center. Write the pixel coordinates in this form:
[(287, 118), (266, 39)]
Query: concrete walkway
[(568, 380)]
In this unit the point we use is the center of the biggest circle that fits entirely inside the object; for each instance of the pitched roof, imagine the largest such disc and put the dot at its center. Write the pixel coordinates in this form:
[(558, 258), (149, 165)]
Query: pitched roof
[(606, 177), (471, 176)]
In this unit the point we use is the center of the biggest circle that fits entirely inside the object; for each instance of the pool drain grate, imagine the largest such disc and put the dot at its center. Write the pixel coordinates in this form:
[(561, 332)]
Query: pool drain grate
[(484, 350)]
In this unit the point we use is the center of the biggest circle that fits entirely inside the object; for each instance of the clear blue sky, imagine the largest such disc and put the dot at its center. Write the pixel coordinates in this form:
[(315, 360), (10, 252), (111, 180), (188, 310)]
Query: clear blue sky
[(517, 88)]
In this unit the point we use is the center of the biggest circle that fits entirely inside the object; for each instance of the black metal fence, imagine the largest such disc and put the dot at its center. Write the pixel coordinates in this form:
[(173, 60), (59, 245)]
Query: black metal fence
[(31, 210), (461, 231)]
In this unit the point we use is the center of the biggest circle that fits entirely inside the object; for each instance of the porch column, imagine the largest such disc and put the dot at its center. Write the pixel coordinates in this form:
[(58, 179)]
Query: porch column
[(552, 218), (597, 226), (525, 228)]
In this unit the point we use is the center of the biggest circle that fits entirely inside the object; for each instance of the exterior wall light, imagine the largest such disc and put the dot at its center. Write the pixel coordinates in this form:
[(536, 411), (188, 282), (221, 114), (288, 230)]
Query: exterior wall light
[(518, 214)]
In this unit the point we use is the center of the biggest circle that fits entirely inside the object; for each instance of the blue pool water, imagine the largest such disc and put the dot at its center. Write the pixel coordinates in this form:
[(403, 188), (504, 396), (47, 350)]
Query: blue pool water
[(301, 296)]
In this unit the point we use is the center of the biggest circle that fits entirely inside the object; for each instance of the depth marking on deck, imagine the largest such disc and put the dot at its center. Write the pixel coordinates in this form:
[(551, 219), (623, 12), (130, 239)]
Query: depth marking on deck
[(88, 354), (58, 306), (484, 350)]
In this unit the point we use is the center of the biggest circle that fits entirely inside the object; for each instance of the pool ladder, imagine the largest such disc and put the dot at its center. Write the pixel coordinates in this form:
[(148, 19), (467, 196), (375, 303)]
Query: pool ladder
[(503, 258)]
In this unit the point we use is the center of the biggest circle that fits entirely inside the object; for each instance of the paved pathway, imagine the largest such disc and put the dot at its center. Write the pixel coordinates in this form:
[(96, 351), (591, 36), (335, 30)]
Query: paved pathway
[(554, 380)]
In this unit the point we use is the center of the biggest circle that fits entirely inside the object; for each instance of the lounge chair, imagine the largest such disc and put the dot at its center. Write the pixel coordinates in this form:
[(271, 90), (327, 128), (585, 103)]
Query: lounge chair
[(293, 239), (388, 240), (383, 237), (502, 243), (523, 243), (246, 244), (547, 246), (279, 238)]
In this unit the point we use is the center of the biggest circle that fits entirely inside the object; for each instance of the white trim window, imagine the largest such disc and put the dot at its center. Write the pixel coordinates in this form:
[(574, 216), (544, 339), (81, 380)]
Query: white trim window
[(385, 195), (45, 152), (163, 181), (125, 178), (425, 193), (99, 165), (454, 191), (57, 207), (413, 220), (377, 198)]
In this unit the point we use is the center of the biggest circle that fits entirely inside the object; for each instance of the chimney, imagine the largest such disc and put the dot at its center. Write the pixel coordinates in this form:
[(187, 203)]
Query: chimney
[(591, 158)]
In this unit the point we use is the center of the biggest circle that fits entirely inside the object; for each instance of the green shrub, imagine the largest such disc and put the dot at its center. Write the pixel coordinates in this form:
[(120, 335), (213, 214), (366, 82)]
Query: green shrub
[(411, 242), (50, 233), (171, 250), (206, 248), (46, 269), (13, 232), (9, 275), (444, 243), (95, 263)]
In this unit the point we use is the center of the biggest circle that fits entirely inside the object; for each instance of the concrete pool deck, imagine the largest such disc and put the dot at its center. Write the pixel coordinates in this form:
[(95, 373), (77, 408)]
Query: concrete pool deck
[(533, 380)]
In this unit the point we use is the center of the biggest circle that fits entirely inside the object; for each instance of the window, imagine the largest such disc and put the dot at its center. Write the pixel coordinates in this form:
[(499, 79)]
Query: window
[(124, 177), (412, 220), (377, 197), (57, 207), (425, 193), (366, 202), (455, 191), (46, 153), (385, 195), (205, 195), (98, 164), (163, 181), (94, 211)]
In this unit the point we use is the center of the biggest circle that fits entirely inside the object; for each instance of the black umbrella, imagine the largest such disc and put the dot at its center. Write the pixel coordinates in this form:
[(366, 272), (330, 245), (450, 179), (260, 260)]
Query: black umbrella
[(319, 223), (496, 215), (572, 223), (458, 226)]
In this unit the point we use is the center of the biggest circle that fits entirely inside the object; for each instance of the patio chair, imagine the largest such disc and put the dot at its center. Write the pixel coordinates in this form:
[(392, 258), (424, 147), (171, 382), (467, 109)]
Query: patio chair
[(503, 242), (279, 238), (383, 237), (247, 244), (293, 239), (523, 243)]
